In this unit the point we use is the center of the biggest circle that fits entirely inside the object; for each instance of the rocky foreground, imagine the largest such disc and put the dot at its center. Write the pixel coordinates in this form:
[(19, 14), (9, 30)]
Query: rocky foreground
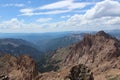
[(17, 68), (96, 57)]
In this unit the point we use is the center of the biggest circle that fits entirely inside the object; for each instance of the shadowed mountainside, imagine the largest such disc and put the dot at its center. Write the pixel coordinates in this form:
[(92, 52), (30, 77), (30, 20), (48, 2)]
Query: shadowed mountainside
[(60, 42), (18, 47)]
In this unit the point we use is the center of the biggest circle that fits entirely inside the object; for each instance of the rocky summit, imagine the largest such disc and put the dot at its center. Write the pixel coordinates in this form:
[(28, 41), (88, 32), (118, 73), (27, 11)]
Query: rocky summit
[(94, 49), (100, 52)]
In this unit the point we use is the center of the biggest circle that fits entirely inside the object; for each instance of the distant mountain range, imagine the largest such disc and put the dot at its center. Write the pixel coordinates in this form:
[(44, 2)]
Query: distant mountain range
[(47, 41), (18, 47), (56, 43), (34, 37), (51, 41), (115, 33)]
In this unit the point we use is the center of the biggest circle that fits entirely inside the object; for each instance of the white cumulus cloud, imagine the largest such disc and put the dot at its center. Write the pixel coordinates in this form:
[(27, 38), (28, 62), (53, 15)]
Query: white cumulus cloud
[(114, 21), (104, 9)]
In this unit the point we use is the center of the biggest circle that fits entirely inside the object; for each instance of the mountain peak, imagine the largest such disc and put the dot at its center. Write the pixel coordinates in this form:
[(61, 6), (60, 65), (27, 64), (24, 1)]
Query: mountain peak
[(100, 46), (102, 33)]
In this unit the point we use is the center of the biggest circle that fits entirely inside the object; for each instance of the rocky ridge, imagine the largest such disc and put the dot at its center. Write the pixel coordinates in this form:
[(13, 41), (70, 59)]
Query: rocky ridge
[(100, 52), (96, 57)]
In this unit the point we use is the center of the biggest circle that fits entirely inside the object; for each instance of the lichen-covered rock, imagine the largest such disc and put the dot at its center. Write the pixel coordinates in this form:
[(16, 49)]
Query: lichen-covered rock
[(80, 72)]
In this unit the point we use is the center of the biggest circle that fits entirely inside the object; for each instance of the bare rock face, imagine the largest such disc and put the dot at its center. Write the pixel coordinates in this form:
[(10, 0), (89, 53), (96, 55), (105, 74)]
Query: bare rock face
[(94, 49), (100, 52), (17, 68)]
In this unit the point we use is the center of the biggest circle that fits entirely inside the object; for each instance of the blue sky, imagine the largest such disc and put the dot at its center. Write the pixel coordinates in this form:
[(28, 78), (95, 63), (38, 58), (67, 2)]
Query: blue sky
[(34, 16)]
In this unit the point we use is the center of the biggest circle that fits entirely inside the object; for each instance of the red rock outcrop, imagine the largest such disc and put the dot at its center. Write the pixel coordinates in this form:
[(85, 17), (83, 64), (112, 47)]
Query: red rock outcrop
[(17, 68)]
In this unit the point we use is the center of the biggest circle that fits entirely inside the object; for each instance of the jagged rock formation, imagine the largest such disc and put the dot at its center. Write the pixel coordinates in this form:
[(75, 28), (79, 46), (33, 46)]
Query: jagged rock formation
[(92, 48), (80, 72), (17, 68), (100, 52)]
